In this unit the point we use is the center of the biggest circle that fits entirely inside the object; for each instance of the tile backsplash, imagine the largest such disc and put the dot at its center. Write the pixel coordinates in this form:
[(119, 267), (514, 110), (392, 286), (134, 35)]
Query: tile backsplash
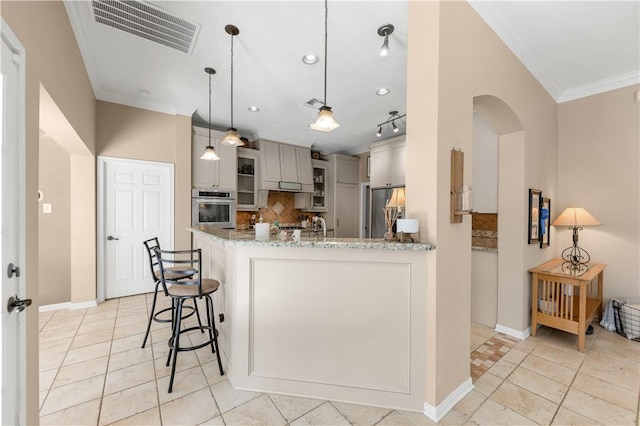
[(484, 230), (282, 202)]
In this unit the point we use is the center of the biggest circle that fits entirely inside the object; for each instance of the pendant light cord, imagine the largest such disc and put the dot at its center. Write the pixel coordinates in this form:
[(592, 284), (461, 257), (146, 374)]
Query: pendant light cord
[(326, 18), (232, 80), (209, 109)]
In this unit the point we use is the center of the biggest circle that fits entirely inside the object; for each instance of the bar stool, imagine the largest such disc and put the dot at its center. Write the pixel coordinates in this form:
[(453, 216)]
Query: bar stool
[(181, 290), (178, 273)]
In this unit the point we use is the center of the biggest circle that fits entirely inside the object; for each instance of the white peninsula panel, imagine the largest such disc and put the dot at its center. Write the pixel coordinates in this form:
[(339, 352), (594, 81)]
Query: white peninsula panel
[(344, 324)]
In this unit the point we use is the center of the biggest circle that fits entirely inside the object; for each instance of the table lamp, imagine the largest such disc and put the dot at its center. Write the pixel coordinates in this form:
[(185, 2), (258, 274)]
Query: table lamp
[(392, 210), (575, 258)]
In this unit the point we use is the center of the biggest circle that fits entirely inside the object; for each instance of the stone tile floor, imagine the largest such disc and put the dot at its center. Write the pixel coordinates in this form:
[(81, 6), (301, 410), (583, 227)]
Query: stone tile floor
[(93, 372)]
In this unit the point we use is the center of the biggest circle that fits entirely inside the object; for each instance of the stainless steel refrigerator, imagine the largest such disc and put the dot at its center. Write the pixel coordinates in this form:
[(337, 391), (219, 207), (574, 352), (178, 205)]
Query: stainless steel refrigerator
[(377, 202)]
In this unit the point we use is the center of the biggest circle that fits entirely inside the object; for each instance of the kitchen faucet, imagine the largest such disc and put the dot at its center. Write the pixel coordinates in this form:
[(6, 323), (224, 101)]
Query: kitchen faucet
[(319, 221)]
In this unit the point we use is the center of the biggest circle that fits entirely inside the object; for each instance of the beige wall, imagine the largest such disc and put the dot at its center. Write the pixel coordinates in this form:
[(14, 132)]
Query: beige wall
[(599, 170), (127, 132), (454, 57), (54, 242), (53, 59)]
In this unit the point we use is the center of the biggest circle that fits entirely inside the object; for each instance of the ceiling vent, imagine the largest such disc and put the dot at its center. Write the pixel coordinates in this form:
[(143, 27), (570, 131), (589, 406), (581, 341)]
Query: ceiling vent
[(314, 103), (147, 21)]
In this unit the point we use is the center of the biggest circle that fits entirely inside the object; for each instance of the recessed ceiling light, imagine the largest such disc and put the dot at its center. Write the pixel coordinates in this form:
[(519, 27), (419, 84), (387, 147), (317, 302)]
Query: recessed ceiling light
[(310, 59), (382, 92), (253, 108)]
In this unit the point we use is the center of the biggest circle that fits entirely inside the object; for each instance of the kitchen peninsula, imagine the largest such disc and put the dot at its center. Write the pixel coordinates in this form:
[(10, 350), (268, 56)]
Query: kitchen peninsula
[(333, 318)]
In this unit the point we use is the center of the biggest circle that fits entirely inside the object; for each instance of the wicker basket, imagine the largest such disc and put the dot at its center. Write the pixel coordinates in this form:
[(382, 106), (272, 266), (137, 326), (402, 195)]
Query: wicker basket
[(627, 318)]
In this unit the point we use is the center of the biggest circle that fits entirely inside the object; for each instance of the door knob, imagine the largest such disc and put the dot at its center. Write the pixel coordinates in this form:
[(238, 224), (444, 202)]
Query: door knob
[(18, 305), (110, 238), (13, 270)]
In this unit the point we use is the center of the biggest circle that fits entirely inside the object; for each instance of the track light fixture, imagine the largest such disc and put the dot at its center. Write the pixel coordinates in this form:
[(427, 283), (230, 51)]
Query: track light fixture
[(232, 137), (209, 150), (393, 116), (385, 31)]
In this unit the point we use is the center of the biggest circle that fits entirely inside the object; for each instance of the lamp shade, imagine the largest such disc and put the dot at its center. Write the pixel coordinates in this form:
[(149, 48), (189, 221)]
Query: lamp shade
[(325, 121), (232, 137), (397, 198), (209, 154), (576, 217)]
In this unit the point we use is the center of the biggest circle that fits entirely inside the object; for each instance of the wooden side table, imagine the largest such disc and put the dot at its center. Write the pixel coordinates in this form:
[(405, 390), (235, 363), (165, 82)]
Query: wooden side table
[(565, 302)]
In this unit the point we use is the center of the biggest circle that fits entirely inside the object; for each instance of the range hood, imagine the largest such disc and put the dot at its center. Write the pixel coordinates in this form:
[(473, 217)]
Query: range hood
[(290, 186)]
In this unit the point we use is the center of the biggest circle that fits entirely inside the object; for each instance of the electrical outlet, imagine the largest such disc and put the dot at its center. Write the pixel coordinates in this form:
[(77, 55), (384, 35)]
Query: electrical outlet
[(46, 208)]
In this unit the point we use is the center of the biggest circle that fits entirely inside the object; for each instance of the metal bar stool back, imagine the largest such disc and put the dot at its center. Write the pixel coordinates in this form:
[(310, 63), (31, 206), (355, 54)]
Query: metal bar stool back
[(191, 288)]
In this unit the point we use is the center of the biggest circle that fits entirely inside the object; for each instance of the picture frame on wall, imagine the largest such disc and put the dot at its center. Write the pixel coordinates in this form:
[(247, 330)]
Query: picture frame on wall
[(535, 196), (545, 222)]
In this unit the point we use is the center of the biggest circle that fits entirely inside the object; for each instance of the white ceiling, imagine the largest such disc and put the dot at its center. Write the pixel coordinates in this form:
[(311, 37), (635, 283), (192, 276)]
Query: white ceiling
[(574, 48)]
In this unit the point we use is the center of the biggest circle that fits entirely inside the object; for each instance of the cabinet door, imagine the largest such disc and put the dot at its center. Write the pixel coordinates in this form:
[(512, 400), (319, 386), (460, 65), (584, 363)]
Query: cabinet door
[(347, 170), (305, 169), (379, 167), (228, 166), (205, 172), (346, 211), (288, 163), (397, 161), (247, 179), (270, 156)]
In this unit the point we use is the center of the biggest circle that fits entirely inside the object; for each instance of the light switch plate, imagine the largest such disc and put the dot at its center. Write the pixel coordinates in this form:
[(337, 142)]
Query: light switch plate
[(46, 208)]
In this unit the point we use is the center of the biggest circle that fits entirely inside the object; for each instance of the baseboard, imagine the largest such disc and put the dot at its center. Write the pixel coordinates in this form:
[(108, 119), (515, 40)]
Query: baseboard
[(437, 413), (68, 305), (54, 307), (521, 335)]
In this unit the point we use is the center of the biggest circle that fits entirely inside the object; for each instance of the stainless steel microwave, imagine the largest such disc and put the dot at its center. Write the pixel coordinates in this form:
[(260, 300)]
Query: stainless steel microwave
[(213, 208)]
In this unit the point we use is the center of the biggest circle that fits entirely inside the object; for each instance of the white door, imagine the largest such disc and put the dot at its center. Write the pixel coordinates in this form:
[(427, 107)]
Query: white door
[(137, 199), (12, 174)]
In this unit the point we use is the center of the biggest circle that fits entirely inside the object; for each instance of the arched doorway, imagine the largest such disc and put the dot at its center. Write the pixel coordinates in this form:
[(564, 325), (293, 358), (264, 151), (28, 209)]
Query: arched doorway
[(510, 301)]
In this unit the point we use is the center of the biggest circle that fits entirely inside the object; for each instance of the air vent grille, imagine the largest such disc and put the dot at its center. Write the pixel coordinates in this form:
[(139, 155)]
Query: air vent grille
[(144, 20), (314, 103)]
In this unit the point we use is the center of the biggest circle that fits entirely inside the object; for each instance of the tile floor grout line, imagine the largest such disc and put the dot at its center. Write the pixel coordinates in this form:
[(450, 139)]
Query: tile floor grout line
[(106, 372), (61, 363)]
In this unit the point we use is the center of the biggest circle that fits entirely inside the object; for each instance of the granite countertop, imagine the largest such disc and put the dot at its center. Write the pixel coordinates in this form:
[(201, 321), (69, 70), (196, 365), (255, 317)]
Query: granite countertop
[(247, 238)]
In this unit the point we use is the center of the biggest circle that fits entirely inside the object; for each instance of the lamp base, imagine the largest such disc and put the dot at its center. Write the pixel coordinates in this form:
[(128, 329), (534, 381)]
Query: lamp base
[(575, 260)]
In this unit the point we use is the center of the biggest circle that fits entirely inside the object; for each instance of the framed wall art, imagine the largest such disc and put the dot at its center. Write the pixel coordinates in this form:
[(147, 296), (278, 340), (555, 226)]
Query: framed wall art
[(535, 196), (545, 222)]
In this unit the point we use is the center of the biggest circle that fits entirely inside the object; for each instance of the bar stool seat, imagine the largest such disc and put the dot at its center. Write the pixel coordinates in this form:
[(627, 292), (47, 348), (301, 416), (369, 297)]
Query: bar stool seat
[(183, 289)]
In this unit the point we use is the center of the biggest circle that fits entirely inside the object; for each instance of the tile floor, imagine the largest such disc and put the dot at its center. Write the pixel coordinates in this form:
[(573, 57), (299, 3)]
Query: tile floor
[(93, 372)]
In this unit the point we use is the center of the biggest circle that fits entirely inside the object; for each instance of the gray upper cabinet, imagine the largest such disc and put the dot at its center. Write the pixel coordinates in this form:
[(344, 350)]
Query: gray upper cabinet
[(388, 161), (220, 174)]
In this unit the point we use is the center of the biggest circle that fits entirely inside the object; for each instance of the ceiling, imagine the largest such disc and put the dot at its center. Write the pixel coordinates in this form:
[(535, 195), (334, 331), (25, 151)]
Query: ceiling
[(574, 48)]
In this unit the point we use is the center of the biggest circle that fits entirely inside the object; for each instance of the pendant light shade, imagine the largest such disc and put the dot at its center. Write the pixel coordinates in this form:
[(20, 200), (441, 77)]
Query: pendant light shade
[(325, 121), (232, 137), (209, 150), (209, 154)]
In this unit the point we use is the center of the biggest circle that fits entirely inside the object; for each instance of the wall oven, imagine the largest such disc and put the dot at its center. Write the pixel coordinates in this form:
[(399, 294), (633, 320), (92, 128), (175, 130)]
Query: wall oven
[(213, 208)]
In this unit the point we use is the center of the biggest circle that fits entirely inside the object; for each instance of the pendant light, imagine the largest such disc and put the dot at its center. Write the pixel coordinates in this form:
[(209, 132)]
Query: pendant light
[(209, 151), (232, 137), (385, 31), (325, 121)]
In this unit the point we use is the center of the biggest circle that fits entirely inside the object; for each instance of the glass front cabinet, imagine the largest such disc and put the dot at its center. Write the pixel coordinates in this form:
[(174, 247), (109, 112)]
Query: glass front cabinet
[(317, 200), (247, 179)]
